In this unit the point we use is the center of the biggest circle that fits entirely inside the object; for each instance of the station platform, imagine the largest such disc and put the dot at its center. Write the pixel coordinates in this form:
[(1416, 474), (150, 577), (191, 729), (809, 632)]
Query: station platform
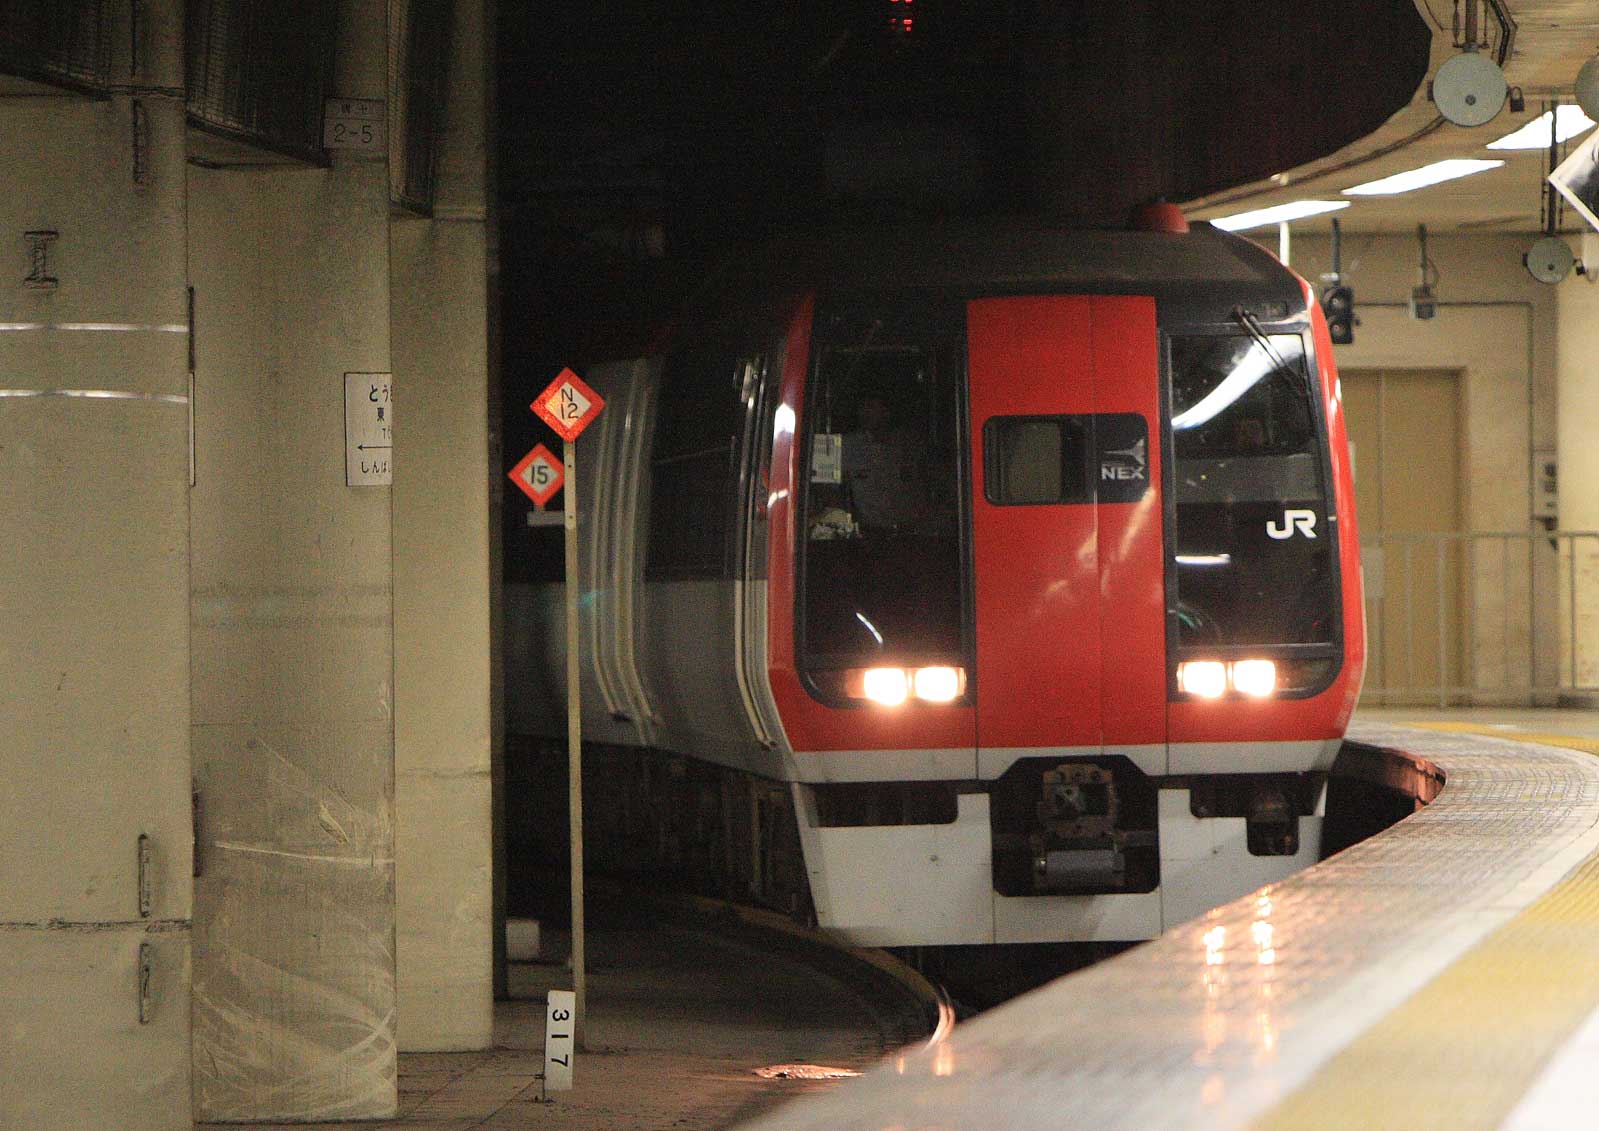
[(1442, 974)]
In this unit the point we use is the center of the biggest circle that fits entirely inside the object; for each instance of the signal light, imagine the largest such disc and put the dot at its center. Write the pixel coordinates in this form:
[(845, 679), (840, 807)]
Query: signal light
[(1338, 304)]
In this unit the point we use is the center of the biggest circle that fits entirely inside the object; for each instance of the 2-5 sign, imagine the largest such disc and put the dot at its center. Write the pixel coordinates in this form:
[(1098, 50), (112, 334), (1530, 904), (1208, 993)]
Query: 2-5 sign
[(539, 474), (568, 405)]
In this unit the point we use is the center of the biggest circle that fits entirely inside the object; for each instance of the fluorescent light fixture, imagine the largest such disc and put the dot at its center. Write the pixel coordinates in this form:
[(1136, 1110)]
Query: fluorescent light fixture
[(1277, 214), (1204, 559), (1569, 122), (1433, 174)]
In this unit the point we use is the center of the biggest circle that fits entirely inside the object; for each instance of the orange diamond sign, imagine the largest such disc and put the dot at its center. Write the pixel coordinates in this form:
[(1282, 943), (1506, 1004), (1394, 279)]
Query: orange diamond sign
[(539, 474), (568, 405)]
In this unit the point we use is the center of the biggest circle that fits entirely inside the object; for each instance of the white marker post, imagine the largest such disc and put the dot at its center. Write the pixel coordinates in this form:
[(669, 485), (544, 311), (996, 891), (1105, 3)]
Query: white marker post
[(560, 1028), (569, 406)]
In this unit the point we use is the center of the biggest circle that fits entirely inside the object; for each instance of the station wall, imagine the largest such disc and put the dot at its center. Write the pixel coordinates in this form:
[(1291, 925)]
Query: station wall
[(1498, 330), (1579, 469)]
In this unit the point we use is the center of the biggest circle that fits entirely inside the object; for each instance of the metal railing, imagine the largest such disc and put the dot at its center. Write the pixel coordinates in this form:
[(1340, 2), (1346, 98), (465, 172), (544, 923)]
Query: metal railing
[(1481, 618)]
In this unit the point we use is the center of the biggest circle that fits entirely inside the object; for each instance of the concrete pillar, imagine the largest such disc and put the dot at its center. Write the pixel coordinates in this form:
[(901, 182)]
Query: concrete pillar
[(292, 636), (444, 576), (94, 655)]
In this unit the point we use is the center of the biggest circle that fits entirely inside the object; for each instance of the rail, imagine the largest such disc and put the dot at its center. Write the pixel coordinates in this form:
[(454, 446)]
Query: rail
[(1481, 618)]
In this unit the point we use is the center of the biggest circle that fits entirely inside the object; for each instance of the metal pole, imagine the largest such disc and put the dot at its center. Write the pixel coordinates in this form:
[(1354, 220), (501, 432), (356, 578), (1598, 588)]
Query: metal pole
[(1532, 617), (1443, 632), (1410, 618), (574, 743), (1571, 611)]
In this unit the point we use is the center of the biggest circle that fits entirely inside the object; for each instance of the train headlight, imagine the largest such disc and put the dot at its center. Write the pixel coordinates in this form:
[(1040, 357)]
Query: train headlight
[(1206, 679), (935, 684), (1257, 678), (887, 687), (938, 684)]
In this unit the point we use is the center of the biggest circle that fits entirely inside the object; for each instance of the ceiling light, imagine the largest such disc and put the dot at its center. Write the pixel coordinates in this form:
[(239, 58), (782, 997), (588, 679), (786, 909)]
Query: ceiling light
[(1569, 122), (1433, 174), (1278, 214)]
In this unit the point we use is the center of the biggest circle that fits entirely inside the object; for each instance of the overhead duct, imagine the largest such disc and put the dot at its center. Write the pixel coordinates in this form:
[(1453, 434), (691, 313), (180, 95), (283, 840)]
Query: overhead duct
[(258, 72), (61, 42), (419, 50)]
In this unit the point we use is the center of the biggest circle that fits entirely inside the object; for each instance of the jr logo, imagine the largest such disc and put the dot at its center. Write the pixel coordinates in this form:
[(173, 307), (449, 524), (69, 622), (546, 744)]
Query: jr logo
[(1302, 521)]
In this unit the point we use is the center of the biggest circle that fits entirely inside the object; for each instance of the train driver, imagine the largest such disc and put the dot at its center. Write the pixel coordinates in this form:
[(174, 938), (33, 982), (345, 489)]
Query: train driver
[(881, 470)]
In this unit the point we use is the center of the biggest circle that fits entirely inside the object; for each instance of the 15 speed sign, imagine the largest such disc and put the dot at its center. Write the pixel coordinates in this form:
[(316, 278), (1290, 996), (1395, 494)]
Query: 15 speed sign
[(539, 474)]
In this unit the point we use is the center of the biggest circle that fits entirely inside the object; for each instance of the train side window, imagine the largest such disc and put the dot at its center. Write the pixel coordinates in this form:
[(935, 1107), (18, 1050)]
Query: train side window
[(694, 466), (1034, 460)]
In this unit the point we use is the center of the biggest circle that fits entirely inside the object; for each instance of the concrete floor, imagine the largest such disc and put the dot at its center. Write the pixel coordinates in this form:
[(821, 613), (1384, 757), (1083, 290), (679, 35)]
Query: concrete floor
[(679, 1020)]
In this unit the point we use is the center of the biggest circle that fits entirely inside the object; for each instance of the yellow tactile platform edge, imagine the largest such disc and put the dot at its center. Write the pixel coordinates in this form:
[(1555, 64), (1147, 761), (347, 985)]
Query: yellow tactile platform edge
[(1570, 742), (1464, 1050)]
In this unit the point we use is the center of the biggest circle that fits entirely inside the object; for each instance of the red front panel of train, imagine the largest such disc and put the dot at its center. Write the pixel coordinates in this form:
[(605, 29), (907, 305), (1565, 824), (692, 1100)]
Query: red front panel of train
[(1066, 519)]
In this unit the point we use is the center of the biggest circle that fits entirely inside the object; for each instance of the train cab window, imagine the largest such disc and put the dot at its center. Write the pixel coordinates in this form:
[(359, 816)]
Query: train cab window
[(882, 573), (1253, 547)]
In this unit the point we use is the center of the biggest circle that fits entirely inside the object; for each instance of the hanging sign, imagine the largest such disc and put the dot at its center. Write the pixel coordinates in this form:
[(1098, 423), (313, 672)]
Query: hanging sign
[(539, 474), (568, 405)]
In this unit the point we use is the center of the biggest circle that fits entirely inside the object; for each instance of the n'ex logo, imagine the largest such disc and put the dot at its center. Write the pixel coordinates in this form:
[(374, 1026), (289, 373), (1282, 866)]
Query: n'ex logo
[(1304, 522), (1125, 464), (1121, 452)]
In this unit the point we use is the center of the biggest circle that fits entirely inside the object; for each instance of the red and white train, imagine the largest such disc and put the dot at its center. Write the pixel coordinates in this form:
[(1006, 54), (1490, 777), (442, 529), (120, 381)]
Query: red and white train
[(1018, 564)]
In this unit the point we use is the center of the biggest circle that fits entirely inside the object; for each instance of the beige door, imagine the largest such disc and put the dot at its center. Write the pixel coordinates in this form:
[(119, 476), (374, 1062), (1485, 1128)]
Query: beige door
[(1404, 434)]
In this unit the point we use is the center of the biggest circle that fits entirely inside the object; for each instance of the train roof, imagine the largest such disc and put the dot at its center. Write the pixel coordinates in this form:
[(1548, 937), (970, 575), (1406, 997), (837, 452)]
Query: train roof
[(1200, 276)]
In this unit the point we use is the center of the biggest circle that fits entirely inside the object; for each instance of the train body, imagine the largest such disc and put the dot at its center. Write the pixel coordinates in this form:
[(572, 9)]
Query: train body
[(1019, 564)]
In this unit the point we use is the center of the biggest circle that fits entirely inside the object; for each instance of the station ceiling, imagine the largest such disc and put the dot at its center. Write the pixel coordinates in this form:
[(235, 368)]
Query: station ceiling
[(640, 142), (1549, 40), (767, 113)]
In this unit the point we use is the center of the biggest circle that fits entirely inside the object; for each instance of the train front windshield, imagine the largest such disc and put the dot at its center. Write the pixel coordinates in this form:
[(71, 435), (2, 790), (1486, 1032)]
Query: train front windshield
[(1254, 548), (883, 573)]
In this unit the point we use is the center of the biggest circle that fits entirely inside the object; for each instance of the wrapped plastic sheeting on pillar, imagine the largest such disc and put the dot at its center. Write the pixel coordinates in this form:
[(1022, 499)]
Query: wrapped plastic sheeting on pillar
[(294, 936)]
